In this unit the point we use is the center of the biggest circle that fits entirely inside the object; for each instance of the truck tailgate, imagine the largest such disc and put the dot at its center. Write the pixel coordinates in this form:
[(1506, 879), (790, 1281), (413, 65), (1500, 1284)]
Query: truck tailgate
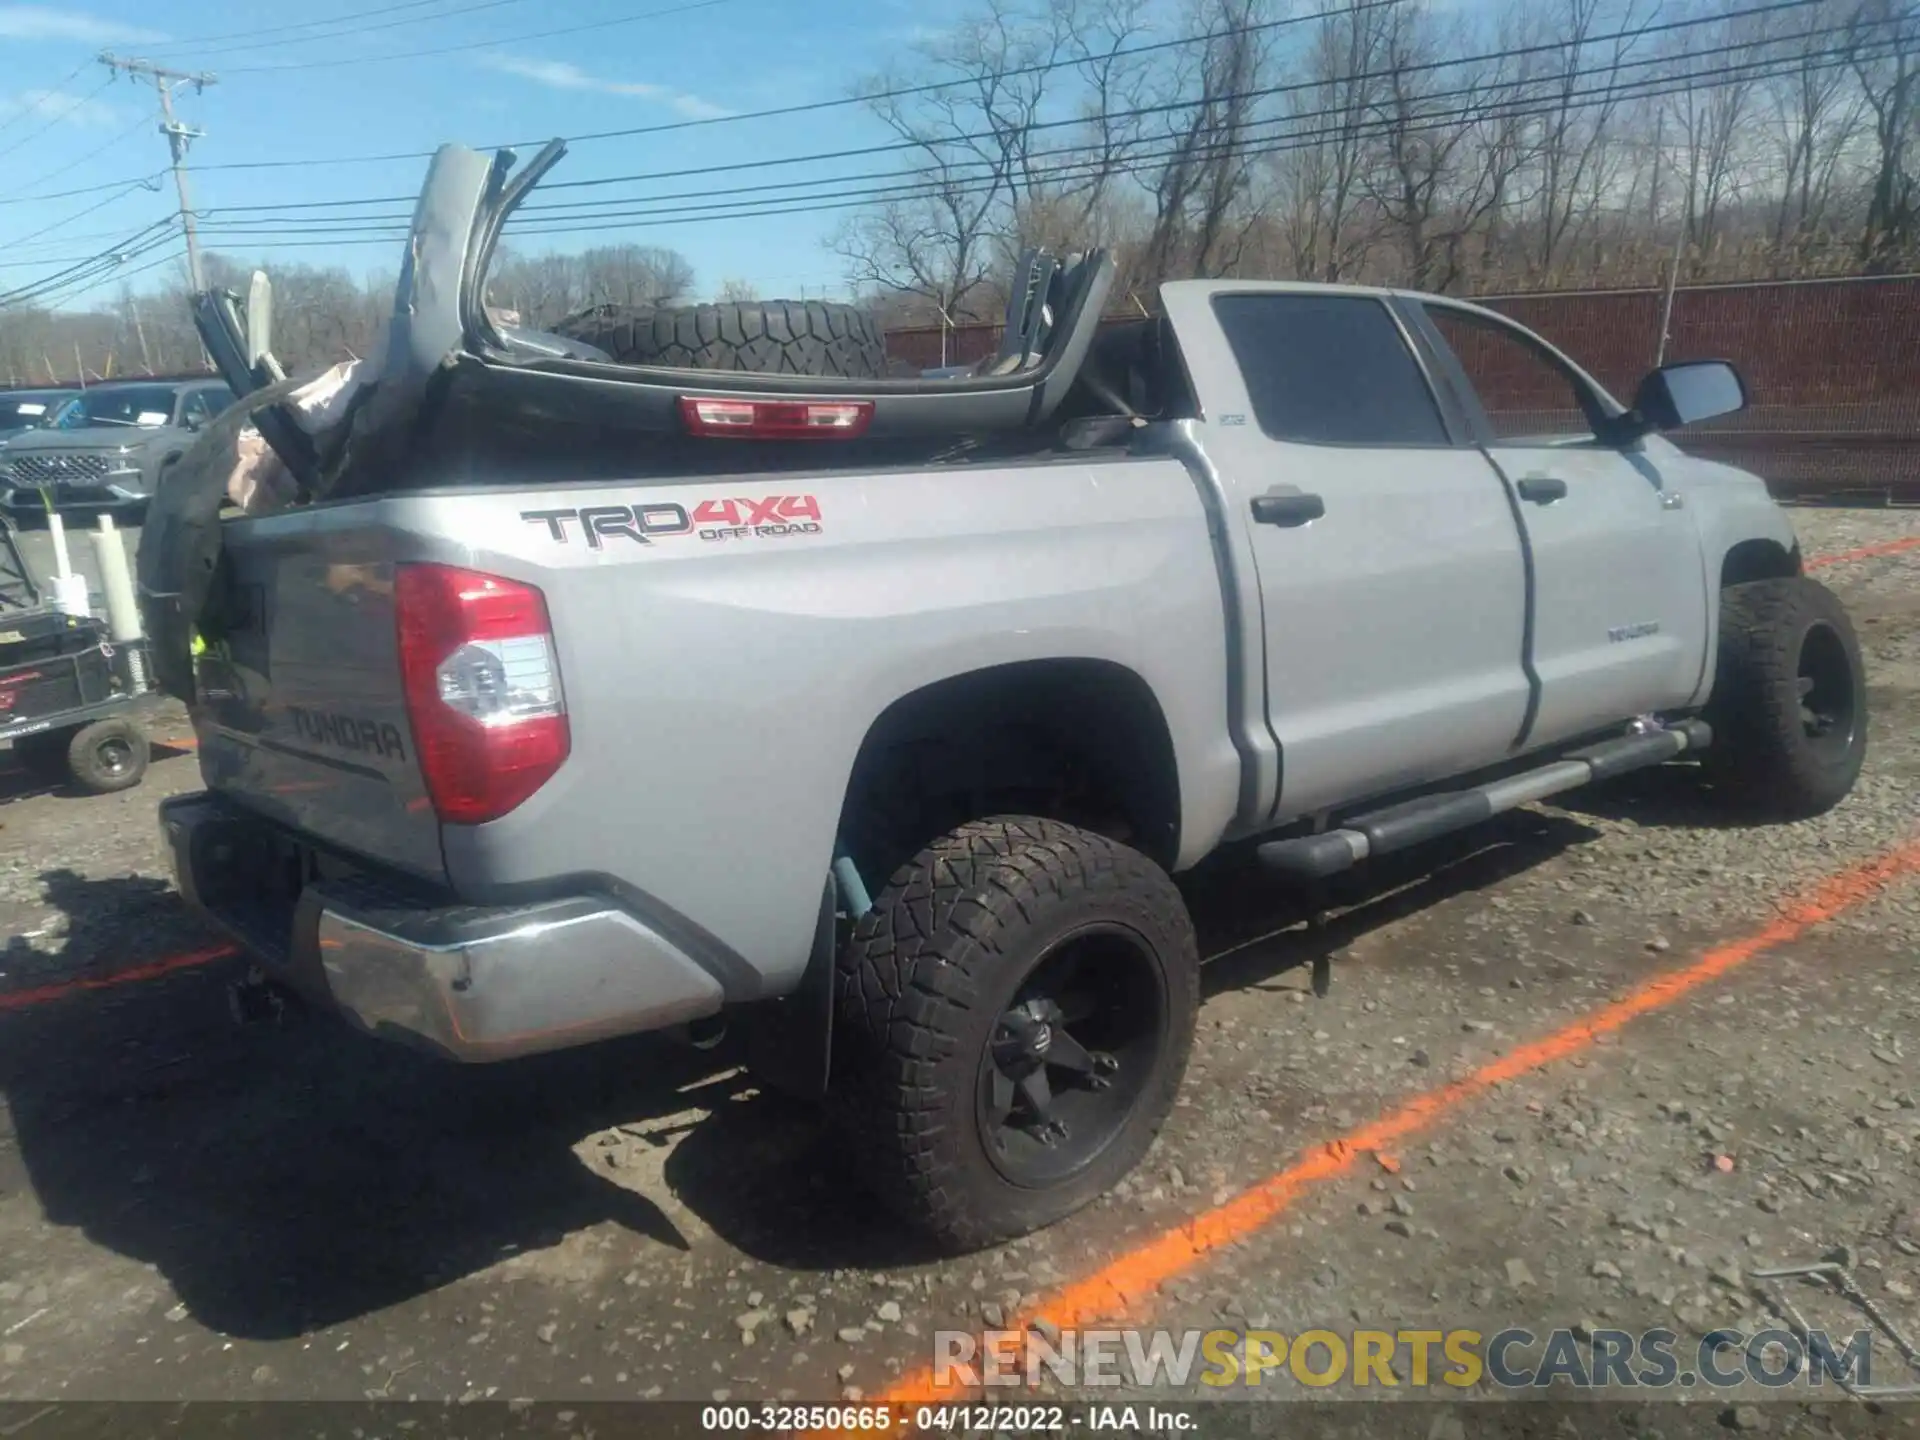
[(303, 713)]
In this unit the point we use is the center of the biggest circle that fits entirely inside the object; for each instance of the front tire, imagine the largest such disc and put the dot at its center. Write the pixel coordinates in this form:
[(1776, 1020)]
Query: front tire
[(1013, 1019), (1789, 703)]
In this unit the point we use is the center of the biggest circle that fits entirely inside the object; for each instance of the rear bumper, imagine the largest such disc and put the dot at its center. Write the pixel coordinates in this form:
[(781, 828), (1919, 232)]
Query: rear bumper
[(473, 983)]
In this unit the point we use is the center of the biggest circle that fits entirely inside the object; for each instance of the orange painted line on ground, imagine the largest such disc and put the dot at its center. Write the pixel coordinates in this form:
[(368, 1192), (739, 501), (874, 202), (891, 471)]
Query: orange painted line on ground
[(133, 975), (1865, 552), (1123, 1286)]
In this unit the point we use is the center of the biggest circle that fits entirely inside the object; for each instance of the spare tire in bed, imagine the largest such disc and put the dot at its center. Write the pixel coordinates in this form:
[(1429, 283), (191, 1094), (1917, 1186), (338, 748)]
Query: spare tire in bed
[(775, 337)]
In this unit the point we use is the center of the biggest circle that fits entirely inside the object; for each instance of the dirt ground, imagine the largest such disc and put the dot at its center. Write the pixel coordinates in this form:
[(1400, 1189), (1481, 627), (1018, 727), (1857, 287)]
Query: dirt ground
[(190, 1208)]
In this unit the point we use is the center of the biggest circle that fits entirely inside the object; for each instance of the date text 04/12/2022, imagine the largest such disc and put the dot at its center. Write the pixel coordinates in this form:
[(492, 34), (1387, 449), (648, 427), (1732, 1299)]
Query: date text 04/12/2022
[(955, 1419), (1039, 1419)]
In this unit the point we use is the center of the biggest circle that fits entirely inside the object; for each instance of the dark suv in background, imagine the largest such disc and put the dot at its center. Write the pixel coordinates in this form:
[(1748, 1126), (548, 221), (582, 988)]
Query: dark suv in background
[(30, 409), (107, 445)]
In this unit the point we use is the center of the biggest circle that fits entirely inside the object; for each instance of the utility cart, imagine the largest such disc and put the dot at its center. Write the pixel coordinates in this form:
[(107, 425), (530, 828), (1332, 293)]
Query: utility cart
[(71, 694)]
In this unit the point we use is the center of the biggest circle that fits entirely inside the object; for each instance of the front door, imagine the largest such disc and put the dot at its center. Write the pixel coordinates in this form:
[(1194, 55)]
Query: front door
[(1620, 584)]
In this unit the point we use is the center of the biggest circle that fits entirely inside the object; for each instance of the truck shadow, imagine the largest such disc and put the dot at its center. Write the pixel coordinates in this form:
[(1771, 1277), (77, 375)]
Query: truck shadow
[(804, 1211), (1664, 797), (287, 1177)]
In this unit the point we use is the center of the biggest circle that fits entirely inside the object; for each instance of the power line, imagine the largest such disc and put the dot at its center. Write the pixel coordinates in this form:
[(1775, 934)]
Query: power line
[(461, 12), (121, 184), (795, 161), (746, 210), (478, 44), (25, 110), (1264, 92), (931, 87), (68, 294), (141, 242), (62, 224), (1655, 87), (54, 245), (897, 179), (100, 149), (54, 120), (810, 107), (219, 43)]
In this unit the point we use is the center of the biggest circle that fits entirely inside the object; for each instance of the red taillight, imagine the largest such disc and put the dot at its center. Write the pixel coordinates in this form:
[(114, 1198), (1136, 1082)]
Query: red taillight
[(746, 419), (483, 689)]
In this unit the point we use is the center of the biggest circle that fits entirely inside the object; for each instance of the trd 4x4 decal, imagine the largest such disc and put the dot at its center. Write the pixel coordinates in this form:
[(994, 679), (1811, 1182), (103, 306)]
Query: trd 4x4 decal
[(775, 515)]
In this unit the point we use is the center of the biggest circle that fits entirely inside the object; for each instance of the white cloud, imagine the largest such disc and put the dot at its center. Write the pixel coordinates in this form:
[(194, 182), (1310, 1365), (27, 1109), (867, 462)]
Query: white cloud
[(559, 75), (37, 22), (79, 111)]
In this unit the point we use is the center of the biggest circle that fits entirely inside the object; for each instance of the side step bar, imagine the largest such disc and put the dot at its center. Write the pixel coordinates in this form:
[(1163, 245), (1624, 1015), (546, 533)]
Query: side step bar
[(1397, 827)]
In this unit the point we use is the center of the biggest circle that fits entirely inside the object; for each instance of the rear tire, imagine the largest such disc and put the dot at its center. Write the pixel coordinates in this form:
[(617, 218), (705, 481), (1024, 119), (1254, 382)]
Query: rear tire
[(1789, 703), (772, 337), (107, 756), (1006, 948)]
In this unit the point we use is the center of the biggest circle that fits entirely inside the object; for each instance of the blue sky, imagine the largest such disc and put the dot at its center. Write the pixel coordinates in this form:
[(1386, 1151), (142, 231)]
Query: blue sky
[(63, 129)]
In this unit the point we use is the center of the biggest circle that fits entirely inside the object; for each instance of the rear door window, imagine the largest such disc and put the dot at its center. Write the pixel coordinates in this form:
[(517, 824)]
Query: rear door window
[(1329, 370)]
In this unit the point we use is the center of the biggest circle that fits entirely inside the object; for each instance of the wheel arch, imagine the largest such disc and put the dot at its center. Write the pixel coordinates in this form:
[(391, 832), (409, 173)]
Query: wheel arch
[(1744, 536), (1759, 558), (1076, 739)]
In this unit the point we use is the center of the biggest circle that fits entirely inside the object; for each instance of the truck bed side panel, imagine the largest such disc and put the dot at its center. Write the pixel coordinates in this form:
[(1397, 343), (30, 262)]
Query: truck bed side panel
[(726, 646)]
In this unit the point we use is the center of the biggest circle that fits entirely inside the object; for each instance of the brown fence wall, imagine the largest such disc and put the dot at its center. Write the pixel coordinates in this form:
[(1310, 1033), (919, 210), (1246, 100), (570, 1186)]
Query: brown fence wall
[(1833, 367)]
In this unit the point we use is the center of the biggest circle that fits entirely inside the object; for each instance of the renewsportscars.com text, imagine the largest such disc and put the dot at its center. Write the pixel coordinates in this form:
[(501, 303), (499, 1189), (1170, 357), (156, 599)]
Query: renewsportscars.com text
[(1512, 1359)]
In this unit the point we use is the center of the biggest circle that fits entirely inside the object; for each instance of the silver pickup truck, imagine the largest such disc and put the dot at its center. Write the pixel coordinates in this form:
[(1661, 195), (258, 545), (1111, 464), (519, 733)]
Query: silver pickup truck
[(577, 697)]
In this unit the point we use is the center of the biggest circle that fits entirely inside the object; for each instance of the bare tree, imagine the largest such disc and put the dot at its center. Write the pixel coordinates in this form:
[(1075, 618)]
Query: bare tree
[(972, 145), (1713, 122), (1448, 144), (1885, 39), (1580, 98), (1333, 107), (1815, 113), (542, 289), (1201, 190)]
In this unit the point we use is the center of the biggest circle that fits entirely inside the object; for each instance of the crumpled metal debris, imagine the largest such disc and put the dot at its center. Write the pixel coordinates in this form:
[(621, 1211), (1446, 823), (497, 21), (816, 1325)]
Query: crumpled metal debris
[(260, 483)]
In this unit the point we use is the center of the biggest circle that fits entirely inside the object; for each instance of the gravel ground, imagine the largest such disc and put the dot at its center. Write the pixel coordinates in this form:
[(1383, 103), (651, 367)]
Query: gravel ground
[(189, 1208)]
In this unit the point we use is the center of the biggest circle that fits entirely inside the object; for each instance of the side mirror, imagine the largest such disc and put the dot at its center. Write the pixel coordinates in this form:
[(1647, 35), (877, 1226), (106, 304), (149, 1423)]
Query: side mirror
[(1687, 393)]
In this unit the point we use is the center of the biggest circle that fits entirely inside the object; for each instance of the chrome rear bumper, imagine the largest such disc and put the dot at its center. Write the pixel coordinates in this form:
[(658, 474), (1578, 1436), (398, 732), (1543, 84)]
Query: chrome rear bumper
[(469, 982)]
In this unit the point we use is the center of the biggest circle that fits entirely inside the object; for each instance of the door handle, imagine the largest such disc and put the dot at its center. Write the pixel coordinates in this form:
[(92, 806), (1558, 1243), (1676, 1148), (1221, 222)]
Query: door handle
[(1541, 490), (1287, 506)]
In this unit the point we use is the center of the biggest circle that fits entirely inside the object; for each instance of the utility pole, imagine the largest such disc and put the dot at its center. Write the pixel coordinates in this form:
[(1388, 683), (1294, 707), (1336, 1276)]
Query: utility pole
[(178, 138)]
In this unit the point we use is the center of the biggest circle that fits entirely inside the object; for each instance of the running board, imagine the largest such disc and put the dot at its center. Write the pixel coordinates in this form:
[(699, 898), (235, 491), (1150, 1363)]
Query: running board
[(1398, 827)]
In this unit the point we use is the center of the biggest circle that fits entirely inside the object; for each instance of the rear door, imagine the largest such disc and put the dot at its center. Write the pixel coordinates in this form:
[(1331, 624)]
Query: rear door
[(1620, 584), (1392, 583)]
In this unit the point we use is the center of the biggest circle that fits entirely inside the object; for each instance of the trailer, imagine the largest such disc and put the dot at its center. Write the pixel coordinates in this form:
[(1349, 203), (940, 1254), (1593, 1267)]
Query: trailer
[(73, 688)]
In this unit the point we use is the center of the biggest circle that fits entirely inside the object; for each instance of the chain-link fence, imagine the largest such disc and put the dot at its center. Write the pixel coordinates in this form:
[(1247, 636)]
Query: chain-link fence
[(1833, 367)]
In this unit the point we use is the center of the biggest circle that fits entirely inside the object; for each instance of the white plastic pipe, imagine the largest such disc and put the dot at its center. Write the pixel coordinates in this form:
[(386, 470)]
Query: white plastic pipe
[(116, 581), (62, 566)]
